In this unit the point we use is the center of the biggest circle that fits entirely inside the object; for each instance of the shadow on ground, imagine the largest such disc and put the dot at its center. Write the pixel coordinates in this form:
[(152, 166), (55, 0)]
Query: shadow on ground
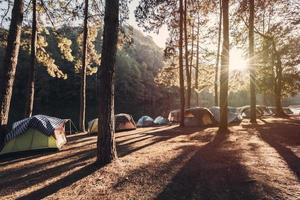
[(214, 172), (283, 136), (34, 168)]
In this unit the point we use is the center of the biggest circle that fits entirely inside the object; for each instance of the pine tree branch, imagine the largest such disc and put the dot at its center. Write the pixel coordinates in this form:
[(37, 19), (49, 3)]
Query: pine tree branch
[(5, 14)]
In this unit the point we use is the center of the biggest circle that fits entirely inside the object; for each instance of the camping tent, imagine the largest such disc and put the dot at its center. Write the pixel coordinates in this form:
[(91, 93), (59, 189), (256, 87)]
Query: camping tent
[(93, 126), (174, 116), (232, 109), (36, 132), (287, 111), (264, 110), (161, 120), (145, 121), (124, 122), (245, 112), (196, 116), (295, 109), (232, 117)]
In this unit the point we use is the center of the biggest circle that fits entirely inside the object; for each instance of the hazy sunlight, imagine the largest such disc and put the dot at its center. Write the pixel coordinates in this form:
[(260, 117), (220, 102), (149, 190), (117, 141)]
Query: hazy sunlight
[(237, 60)]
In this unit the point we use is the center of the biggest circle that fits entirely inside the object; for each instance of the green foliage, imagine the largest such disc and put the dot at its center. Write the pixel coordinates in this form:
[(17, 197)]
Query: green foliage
[(136, 92), (92, 57), (64, 45), (43, 57)]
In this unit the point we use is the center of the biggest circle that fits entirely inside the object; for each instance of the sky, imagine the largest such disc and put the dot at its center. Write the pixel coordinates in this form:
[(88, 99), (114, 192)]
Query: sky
[(159, 38), (237, 60)]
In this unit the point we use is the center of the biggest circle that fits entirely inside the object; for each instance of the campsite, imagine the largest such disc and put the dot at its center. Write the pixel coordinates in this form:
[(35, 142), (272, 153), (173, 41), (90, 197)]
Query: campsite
[(165, 163), (150, 99)]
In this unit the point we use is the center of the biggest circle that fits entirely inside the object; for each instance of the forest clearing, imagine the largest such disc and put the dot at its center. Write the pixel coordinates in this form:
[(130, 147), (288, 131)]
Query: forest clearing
[(253, 162), (150, 99)]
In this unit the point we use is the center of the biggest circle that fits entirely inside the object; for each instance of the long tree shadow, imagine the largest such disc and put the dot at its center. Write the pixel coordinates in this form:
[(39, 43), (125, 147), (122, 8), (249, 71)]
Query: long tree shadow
[(15, 157), (21, 181), (11, 158), (214, 172), (134, 132), (123, 149), (43, 163), (38, 172), (157, 137), (280, 136), (61, 183)]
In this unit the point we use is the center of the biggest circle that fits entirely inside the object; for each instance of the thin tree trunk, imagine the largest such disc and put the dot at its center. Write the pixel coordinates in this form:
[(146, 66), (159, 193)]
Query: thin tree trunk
[(197, 62), (192, 51), (278, 82), (106, 145), (191, 63), (83, 70), (251, 64), (278, 104), (31, 78), (187, 67), (7, 76), (181, 79), (278, 86), (224, 69), (218, 58)]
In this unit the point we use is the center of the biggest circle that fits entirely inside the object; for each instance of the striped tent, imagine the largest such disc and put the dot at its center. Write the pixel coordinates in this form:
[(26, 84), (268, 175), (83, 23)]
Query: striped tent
[(36, 132)]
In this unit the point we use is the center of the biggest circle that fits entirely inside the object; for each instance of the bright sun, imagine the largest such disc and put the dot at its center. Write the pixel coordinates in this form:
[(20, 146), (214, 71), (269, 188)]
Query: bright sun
[(237, 60)]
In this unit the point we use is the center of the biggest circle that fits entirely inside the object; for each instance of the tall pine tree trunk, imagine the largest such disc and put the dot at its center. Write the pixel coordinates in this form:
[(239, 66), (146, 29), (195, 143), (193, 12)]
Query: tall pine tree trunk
[(224, 69), (187, 67), (83, 70), (251, 64), (31, 77), (191, 62), (278, 81), (106, 145), (7, 76), (192, 51), (197, 62), (181, 79), (278, 88), (218, 57)]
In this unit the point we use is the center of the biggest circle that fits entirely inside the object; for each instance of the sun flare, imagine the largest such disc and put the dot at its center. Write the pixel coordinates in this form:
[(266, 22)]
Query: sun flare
[(237, 60)]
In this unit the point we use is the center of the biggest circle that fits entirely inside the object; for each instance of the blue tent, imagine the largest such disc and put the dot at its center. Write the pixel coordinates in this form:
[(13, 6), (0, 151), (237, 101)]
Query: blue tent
[(145, 121), (161, 120)]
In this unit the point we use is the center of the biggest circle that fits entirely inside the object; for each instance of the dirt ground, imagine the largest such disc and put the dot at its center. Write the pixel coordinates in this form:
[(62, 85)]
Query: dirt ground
[(252, 162)]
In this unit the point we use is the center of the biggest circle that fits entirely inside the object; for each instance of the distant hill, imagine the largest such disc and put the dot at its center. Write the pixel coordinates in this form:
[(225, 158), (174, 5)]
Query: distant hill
[(136, 92)]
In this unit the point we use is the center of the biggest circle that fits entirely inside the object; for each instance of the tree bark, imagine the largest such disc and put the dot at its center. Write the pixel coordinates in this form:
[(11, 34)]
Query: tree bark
[(223, 127), (181, 79), (187, 67), (191, 61), (278, 88), (83, 70), (31, 77), (7, 76), (252, 64), (218, 58), (106, 145), (197, 63), (278, 82)]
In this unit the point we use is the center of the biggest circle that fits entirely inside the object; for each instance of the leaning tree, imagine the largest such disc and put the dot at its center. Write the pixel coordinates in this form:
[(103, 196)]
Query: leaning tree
[(10, 62)]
